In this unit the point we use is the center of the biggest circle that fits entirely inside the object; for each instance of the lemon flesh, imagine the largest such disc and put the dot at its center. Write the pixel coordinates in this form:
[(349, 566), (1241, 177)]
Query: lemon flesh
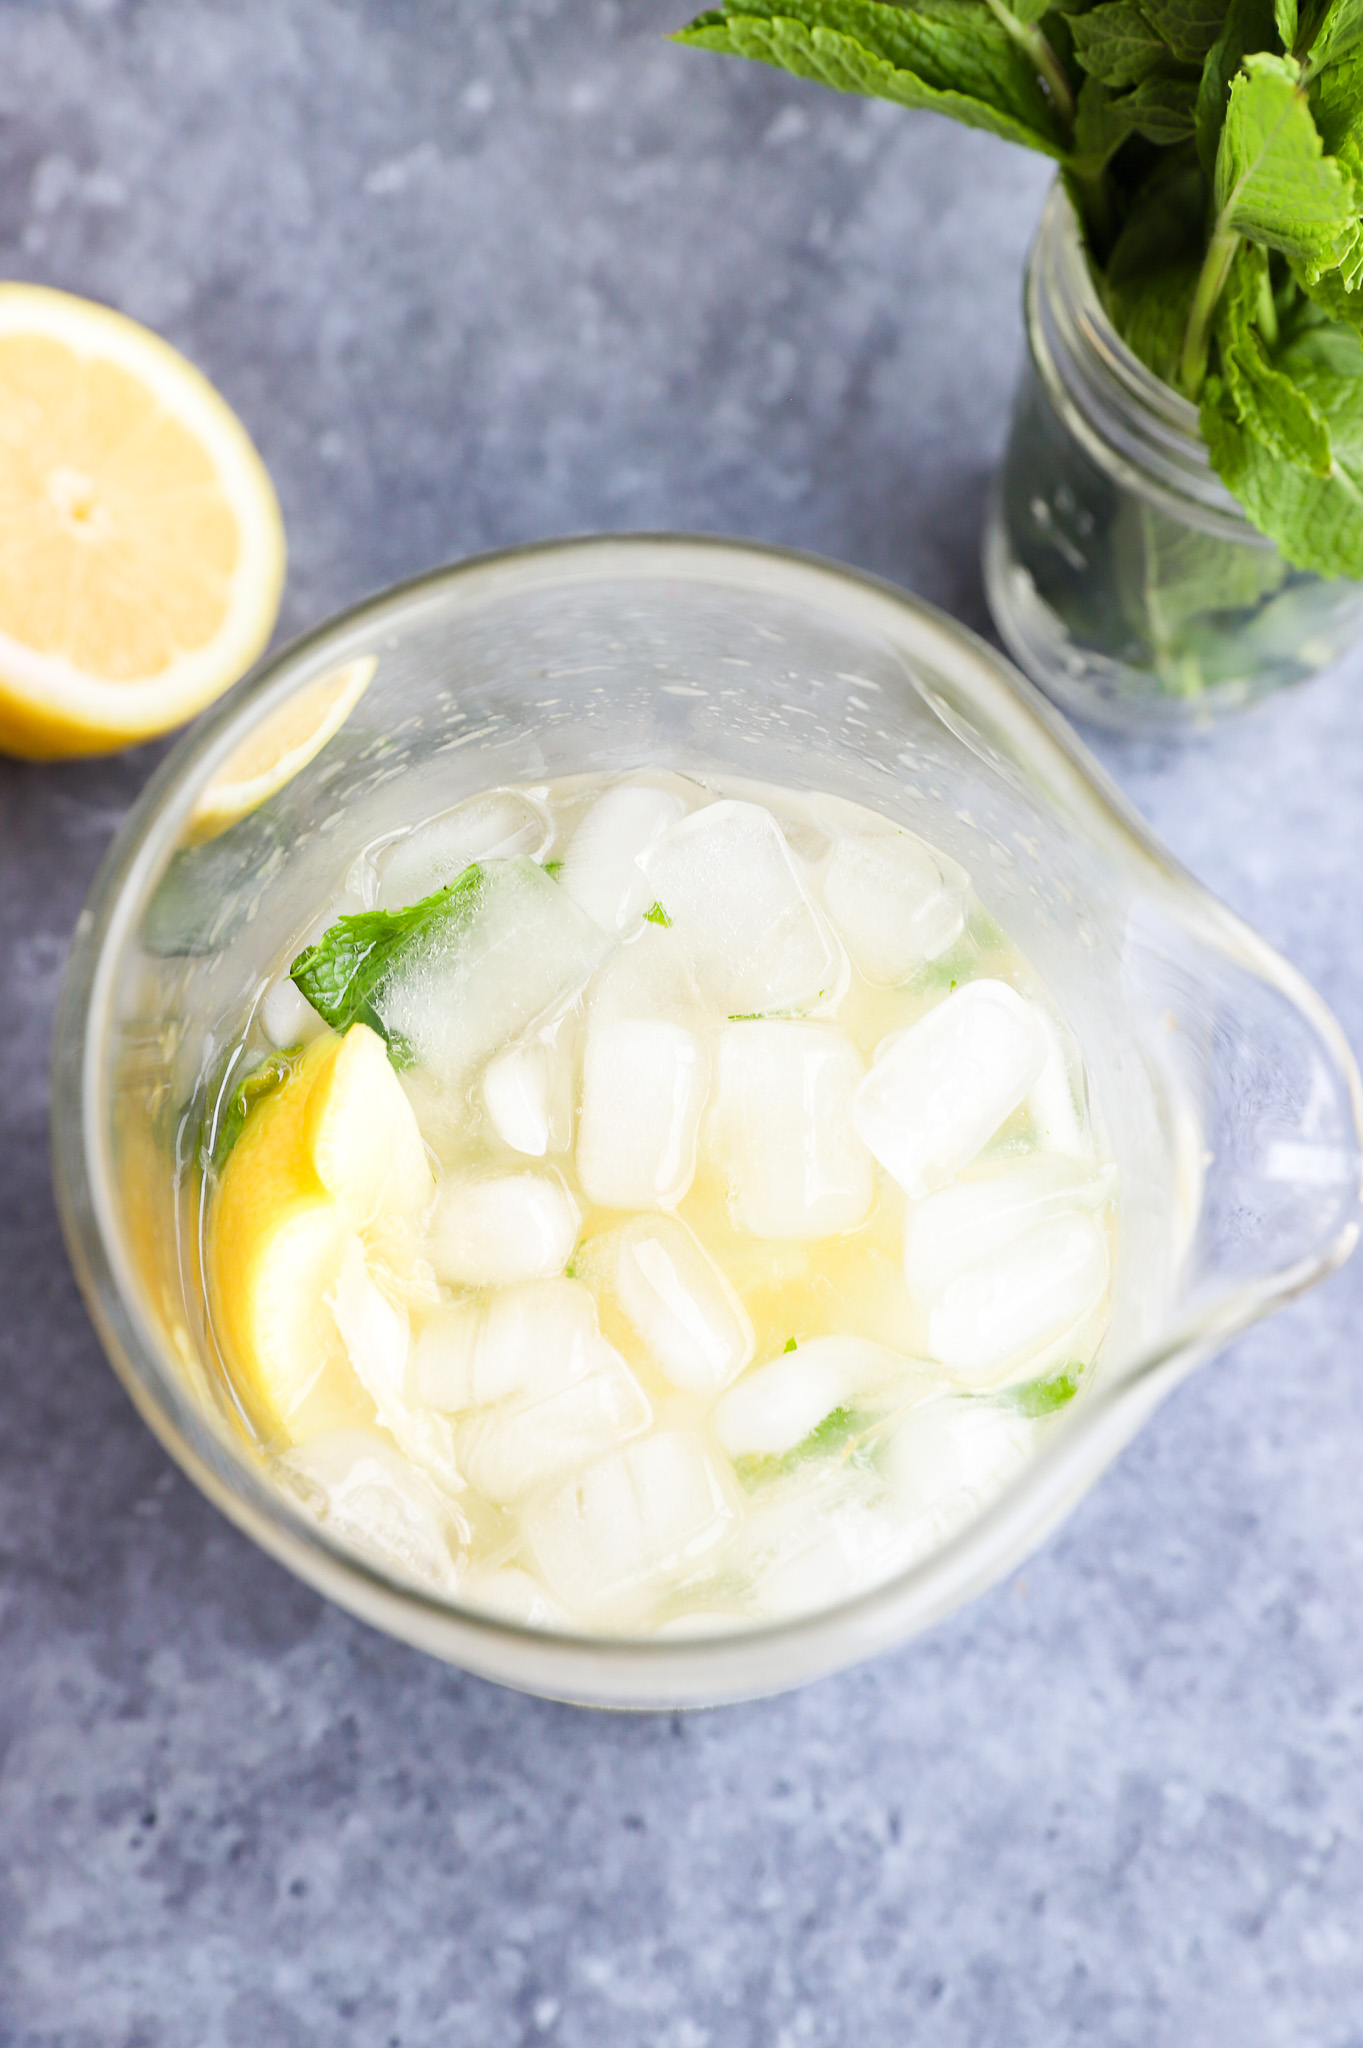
[(141, 544), (334, 1153)]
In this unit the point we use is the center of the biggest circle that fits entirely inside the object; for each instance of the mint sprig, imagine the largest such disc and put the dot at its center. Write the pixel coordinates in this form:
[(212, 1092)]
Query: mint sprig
[(1214, 153), (343, 976)]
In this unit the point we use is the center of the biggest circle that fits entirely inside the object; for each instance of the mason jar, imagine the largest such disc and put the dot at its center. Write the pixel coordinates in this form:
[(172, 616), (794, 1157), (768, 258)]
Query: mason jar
[(1121, 573)]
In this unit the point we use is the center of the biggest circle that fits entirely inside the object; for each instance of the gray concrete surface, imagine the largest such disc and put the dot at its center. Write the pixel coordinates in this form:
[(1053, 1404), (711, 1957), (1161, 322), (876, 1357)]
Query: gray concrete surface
[(477, 272)]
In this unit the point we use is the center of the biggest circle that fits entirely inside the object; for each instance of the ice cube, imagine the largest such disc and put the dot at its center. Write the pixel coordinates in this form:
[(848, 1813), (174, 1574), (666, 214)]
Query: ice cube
[(514, 948), (1052, 1104), (372, 1499), (511, 1594), (497, 824), (286, 1016), (982, 1214), (536, 1386), (644, 1084), (601, 870), (949, 1458), (997, 1316), (680, 1306), (501, 1228), (727, 881), (517, 1447), (629, 1522), (377, 1338), (521, 1341), (894, 901), (527, 1095), (805, 1546), (650, 976), (775, 1406), (782, 1132), (937, 1092)]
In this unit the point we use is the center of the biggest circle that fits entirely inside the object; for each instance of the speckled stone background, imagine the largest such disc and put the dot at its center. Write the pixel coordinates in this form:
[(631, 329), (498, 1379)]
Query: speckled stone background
[(476, 272)]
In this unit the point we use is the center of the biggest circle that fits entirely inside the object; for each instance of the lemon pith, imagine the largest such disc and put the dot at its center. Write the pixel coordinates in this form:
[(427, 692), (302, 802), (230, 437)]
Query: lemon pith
[(141, 545)]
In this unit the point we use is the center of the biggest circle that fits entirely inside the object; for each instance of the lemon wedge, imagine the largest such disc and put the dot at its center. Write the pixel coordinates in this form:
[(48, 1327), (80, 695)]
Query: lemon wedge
[(141, 545), (284, 744), (332, 1154)]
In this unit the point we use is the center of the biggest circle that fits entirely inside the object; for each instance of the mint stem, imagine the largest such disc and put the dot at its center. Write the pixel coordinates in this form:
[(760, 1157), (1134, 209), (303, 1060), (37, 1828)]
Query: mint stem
[(1268, 311), (1210, 285), (1038, 48)]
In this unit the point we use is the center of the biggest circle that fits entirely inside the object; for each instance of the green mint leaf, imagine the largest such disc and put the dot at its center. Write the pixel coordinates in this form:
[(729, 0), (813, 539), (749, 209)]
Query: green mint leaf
[(448, 980), (1267, 401), (1340, 30), (232, 1114), (789, 1345), (1162, 108), (1153, 269), (1042, 1397), (1336, 99), (1116, 43), (209, 892), (1274, 182), (1150, 312), (1285, 21), (1333, 296), (1189, 27), (831, 1434), (1029, 12), (1174, 581), (836, 1433), (655, 914), (1316, 521), (344, 974), (1313, 344), (1100, 128), (1249, 26), (1324, 359), (950, 56), (553, 868)]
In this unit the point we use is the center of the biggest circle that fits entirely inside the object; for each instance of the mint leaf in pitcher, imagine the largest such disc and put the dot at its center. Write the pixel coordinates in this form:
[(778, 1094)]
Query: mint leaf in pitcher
[(458, 974)]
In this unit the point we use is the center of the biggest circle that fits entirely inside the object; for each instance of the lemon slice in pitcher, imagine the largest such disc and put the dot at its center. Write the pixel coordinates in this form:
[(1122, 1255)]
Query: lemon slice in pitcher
[(281, 746), (141, 545)]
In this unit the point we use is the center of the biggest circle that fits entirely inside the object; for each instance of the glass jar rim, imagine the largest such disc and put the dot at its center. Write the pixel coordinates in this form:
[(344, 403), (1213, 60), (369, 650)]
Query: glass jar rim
[(1138, 429)]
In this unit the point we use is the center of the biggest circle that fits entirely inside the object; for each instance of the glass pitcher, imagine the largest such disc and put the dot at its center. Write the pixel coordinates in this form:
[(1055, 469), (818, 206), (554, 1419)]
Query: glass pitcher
[(1225, 1091)]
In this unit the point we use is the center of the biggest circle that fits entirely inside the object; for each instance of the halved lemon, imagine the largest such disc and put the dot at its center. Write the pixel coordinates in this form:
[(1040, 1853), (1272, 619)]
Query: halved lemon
[(141, 545)]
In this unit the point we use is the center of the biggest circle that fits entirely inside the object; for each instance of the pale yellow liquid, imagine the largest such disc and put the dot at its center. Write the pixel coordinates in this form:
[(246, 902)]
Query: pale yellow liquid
[(848, 1284)]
